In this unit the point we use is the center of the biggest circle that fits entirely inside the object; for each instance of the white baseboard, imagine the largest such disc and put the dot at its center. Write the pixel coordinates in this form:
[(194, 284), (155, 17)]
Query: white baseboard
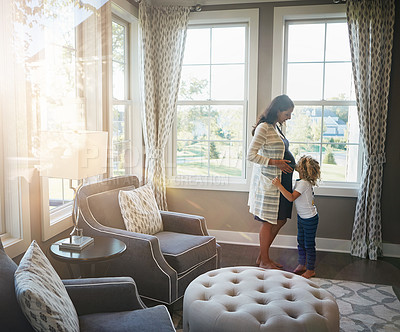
[(290, 242)]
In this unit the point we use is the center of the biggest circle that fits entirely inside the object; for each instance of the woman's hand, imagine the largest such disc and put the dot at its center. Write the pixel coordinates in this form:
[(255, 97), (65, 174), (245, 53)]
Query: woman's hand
[(276, 182), (282, 164)]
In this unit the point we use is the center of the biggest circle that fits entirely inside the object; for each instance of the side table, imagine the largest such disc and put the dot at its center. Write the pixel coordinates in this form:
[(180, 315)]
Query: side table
[(101, 250)]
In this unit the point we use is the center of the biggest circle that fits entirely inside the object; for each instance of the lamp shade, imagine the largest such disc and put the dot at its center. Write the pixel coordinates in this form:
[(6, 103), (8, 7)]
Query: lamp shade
[(73, 155)]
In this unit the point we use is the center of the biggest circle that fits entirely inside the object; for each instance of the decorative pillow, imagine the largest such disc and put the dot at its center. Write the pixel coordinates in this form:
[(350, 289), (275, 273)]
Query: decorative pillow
[(42, 295), (140, 211)]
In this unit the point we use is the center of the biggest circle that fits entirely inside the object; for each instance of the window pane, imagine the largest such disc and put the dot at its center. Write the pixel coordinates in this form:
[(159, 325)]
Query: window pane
[(119, 61), (60, 192), (120, 139), (304, 81), (305, 125), (195, 83), (192, 158), (120, 153), (339, 81), (197, 48), (226, 122), (192, 122), (118, 42), (337, 42), (306, 42), (339, 163), (227, 82), (118, 80), (299, 150), (228, 45), (341, 124), (226, 159)]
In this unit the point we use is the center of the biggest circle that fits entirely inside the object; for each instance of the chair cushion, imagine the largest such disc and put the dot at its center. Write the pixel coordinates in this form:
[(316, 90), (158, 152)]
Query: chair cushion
[(140, 211), (42, 295), (156, 319), (11, 316), (185, 251)]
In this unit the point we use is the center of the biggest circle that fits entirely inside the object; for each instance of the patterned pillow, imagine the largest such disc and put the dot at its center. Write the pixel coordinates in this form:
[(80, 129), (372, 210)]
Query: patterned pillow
[(42, 295), (140, 211)]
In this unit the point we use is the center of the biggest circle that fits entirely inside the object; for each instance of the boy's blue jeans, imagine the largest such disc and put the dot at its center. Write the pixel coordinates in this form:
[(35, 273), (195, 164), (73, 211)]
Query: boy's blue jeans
[(306, 232)]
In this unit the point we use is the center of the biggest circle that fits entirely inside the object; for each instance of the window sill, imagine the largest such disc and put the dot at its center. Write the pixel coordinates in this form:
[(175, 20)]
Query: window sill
[(60, 220), (218, 183), (14, 246), (336, 190), (241, 185)]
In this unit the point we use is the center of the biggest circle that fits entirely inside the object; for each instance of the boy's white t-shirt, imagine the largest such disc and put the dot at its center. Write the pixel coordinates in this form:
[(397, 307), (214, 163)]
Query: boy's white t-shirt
[(305, 202)]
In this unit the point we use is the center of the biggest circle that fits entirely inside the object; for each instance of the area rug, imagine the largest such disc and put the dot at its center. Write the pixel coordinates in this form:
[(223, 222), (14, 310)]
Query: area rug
[(362, 306)]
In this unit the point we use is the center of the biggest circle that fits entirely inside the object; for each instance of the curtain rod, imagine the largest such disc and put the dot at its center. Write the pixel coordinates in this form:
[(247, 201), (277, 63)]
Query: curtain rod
[(195, 8)]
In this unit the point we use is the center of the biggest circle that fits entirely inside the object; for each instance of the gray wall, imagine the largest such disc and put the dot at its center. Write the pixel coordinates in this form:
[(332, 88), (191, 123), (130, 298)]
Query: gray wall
[(228, 211)]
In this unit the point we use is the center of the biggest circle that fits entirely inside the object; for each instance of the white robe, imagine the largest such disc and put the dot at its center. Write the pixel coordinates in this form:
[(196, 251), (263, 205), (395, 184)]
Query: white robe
[(263, 195)]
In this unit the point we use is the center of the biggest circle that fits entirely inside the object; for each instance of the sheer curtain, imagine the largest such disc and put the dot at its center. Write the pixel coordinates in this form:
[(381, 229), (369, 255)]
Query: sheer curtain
[(370, 24), (52, 67), (163, 32)]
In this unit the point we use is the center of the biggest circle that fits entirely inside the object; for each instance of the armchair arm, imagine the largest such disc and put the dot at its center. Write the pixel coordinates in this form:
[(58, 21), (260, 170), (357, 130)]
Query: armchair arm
[(142, 260), (184, 223), (95, 295)]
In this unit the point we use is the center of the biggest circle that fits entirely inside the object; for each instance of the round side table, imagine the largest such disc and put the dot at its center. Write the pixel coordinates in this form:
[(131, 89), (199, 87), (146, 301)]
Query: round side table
[(101, 250)]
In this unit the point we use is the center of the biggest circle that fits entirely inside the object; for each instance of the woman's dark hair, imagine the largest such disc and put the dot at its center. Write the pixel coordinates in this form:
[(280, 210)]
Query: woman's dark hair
[(270, 115)]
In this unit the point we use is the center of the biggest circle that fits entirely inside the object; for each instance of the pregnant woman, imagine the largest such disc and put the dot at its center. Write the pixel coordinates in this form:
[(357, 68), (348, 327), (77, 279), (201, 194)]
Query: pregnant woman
[(269, 151)]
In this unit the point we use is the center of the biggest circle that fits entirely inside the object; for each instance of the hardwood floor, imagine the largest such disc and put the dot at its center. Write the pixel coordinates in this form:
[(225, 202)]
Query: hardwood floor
[(329, 265)]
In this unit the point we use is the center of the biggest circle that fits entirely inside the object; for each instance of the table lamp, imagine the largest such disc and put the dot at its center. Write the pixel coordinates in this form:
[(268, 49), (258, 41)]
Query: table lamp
[(73, 155)]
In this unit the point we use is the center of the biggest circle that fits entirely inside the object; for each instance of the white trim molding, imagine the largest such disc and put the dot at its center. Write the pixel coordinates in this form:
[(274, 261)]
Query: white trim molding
[(290, 242)]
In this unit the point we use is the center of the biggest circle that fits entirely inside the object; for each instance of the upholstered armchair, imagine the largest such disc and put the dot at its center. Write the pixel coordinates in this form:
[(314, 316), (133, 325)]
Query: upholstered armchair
[(102, 304), (162, 264)]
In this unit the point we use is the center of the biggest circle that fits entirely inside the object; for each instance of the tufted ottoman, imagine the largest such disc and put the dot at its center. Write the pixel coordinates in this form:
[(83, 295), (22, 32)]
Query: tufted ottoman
[(253, 299)]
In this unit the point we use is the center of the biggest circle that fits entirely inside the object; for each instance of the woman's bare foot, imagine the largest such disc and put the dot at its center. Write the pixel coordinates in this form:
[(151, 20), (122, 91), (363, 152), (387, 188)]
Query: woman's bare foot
[(269, 265), (308, 274), (258, 262), (299, 269)]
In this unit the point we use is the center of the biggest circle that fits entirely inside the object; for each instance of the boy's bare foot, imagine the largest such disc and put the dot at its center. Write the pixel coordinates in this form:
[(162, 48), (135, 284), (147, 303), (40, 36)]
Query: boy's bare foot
[(277, 264), (308, 274), (300, 269)]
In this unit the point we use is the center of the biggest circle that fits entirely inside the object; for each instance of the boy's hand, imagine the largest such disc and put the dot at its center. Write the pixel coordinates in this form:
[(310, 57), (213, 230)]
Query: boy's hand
[(276, 182)]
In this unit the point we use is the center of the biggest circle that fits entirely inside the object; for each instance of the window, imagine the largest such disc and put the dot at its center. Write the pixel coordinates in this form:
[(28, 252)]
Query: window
[(124, 118), (121, 112), (214, 103), (317, 75), (59, 108)]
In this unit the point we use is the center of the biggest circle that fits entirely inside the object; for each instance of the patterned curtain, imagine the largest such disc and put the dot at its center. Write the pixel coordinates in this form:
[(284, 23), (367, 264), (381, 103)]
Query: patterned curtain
[(163, 32), (370, 24)]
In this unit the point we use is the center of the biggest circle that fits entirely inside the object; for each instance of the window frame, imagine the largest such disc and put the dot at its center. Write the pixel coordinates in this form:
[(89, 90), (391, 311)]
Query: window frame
[(15, 237), (124, 12), (60, 219), (294, 13), (210, 19)]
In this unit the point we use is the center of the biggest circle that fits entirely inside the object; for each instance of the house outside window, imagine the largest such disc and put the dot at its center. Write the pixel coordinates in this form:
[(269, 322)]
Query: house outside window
[(216, 101), (317, 75)]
